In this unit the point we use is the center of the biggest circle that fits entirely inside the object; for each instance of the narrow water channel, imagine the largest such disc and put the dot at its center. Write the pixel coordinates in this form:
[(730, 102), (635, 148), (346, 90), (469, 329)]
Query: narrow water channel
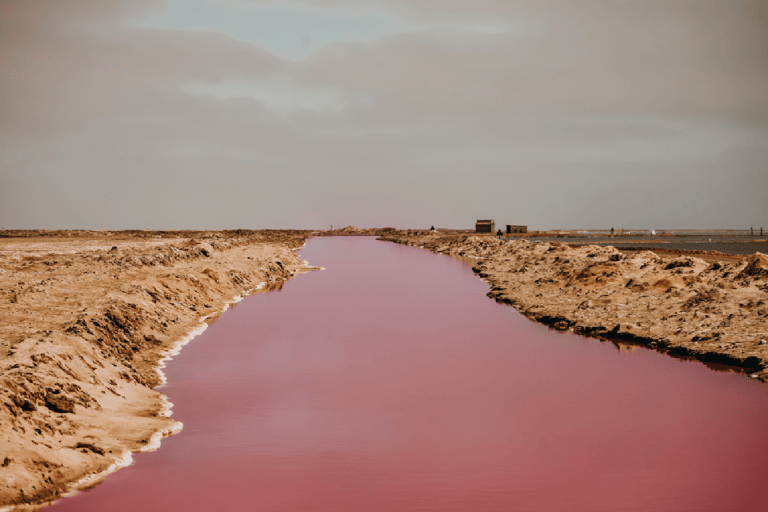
[(390, 382)]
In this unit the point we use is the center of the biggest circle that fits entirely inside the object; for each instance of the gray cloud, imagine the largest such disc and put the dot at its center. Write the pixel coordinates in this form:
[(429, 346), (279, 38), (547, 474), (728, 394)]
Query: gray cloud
[(550, 113)]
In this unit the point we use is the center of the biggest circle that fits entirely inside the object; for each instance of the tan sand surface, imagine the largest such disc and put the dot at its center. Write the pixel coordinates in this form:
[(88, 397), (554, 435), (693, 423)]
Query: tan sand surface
[(713, 310), (86, 319), (85, 322)]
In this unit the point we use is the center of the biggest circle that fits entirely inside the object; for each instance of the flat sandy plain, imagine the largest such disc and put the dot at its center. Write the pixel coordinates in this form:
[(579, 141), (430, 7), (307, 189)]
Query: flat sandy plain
[(87, 318)]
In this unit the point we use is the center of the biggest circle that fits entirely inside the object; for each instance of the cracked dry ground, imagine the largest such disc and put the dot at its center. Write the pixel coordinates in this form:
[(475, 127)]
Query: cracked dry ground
[(716, 312)]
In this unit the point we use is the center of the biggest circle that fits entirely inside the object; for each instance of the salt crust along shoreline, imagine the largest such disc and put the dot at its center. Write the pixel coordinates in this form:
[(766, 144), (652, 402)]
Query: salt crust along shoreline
[(81, 358), (126, 459), (715, 312), (85, 339)]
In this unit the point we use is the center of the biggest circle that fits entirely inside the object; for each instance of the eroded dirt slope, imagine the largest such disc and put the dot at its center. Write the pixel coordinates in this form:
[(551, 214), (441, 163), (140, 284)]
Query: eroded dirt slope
[(84, 323), (716, 312)]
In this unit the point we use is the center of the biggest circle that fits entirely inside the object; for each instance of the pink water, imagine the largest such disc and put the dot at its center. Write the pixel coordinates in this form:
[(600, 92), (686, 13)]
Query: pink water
[(390, 382)]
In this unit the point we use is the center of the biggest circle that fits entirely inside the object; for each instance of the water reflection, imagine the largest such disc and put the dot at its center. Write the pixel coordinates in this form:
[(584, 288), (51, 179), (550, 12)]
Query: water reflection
[(624, 346)]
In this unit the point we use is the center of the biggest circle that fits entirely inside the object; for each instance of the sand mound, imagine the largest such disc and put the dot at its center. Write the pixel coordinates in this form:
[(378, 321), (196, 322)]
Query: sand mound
[(682, 305), (84, 327)]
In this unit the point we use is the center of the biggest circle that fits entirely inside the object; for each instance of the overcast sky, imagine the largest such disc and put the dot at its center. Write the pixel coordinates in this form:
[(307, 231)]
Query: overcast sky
[(176, 114)]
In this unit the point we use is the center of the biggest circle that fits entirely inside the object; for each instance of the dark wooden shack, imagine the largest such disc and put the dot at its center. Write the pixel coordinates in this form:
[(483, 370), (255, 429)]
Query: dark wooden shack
[(485, 226), (516, 229)]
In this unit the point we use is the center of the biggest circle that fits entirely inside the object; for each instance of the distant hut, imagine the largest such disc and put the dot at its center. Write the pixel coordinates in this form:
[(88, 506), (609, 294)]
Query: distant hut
[(485, 226), (516, 229)]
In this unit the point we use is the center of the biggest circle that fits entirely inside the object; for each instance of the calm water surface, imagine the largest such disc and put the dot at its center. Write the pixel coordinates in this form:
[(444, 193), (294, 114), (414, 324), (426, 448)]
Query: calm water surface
[(390, 382)]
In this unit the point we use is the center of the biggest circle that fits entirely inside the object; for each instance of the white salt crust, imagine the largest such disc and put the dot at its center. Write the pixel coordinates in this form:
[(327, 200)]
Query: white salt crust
[(126, 459)]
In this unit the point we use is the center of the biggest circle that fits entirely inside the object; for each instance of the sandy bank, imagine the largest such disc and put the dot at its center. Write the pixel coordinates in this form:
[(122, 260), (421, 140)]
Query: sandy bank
[(716, 312), (86, 321)]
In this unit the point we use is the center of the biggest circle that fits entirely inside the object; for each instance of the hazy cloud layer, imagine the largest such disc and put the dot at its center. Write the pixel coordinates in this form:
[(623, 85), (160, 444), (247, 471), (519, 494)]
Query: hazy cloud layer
[(222, 114)]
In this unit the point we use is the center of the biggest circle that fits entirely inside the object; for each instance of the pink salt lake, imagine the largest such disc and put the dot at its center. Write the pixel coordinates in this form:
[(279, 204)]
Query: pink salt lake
[(390, 382)]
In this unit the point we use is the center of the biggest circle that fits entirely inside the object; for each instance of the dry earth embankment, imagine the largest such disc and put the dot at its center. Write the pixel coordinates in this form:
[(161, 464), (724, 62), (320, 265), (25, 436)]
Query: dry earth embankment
[(85, 323), (714, 312)]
